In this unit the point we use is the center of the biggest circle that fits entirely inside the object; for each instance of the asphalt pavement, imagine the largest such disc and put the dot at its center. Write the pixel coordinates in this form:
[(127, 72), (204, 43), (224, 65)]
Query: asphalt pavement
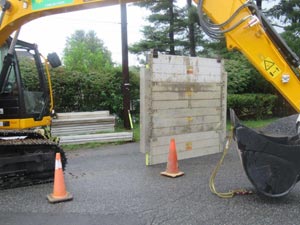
[(112, 186)]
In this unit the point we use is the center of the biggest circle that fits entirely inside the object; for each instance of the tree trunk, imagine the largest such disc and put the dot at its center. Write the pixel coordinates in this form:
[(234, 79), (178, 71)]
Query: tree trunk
[(171, 32), (258, 3), (191, 32)]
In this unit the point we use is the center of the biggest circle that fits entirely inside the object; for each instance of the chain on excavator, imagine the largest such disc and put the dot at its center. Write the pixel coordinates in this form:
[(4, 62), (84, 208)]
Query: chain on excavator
[(27, 158)]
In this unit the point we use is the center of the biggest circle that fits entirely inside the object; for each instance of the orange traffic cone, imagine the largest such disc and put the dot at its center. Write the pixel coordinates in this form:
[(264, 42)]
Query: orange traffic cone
[(172, 164), (59, 189)]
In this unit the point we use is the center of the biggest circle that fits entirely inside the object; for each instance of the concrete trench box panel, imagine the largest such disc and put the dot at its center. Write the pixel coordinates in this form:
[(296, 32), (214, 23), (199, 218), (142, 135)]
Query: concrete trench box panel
[(182, 98)]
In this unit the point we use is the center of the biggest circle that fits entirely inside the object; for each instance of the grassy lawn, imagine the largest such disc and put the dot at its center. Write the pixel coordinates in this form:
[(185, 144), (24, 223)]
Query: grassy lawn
[(253, 123)]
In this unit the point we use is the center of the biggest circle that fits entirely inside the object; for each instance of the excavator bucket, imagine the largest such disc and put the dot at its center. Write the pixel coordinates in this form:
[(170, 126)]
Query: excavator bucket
[(272, 164)]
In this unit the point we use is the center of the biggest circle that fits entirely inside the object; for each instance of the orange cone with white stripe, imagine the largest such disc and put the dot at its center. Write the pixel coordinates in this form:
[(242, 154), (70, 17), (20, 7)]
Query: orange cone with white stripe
[(59, 189), (172, 164)]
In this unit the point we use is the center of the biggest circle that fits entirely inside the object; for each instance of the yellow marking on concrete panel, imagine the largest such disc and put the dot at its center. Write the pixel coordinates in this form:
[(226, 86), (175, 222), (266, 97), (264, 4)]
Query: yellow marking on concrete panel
[(189, 70), (147, 158), (188, 146), (189, 119), (189, 92)]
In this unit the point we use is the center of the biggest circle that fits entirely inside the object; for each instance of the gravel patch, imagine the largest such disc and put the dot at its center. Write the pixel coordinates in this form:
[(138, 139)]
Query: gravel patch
[(285, 126)]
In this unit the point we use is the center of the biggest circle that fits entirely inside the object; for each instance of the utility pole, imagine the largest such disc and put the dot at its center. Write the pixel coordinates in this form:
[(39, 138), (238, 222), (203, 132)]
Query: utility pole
[(125, 68)]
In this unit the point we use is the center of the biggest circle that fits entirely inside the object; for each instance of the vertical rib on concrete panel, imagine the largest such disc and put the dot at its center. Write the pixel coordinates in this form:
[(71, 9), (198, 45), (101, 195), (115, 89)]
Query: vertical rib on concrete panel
[(145, 108), (224, 106), (182, 98)]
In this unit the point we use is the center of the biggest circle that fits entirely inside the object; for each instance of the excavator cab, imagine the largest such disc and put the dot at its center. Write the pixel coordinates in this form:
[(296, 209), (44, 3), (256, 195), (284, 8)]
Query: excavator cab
[(25, 99)]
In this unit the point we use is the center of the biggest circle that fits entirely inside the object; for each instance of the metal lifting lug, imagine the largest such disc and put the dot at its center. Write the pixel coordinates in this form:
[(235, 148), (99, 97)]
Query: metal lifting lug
[(285, 78), (25, 4), (253, 21)]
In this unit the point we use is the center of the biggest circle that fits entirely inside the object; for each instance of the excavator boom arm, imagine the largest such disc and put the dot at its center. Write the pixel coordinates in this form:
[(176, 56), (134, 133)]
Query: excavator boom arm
[(270, 163), (248, 31)]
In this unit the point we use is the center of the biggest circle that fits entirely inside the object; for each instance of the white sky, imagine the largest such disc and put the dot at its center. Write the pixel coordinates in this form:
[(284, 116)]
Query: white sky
[(51, 32)]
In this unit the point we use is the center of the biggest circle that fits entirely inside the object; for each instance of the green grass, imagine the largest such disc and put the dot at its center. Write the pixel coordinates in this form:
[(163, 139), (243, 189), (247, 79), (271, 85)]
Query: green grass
[(136, 132), (90, 145), (253, 123)]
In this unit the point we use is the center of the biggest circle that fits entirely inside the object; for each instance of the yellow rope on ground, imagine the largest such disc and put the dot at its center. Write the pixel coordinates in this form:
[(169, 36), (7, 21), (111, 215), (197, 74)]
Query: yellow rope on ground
[(212, 187)]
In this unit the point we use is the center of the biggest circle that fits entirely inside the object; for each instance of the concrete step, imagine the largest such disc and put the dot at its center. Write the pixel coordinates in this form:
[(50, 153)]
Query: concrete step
[(82, 123), (71, 115), (107, 137)]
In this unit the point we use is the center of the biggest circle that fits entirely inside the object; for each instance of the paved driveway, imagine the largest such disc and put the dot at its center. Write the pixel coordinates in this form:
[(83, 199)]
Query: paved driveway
[(112, 186)]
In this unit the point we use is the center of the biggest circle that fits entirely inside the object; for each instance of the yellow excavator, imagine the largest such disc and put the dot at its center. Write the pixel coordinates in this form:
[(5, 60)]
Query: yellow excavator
[(26, 103), (26, 157)]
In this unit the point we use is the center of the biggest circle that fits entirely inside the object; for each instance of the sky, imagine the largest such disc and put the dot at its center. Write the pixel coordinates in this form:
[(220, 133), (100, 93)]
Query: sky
[(51, 32)]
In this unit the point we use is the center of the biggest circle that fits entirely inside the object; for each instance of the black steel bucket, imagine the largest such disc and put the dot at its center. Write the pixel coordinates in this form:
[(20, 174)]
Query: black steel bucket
[(272, 164)]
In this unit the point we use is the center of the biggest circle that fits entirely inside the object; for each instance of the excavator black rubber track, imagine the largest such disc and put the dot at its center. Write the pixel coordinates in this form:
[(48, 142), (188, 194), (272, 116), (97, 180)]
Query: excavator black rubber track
[(27, 158)]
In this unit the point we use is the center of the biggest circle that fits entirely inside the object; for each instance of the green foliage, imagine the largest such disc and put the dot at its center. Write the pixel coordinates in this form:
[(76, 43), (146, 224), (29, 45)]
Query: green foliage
[(247, 106), (134, 77), (85, 53), (74, 91), (243, 77), (29, 74), (291, 36), (288, 13), (169, 28), (89, 80), (239, 75), (159, 34)]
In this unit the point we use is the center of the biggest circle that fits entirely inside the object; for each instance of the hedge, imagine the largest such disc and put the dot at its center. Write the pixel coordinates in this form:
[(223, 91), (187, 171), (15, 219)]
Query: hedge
[(252, 106), (74, 91)]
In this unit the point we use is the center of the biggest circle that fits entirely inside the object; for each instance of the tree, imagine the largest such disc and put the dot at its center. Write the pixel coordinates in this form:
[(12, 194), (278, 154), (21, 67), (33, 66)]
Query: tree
[(288, 14), (192, 18), (170, 30), (89, 80), (86, 53), (190, 37), (159, 34)]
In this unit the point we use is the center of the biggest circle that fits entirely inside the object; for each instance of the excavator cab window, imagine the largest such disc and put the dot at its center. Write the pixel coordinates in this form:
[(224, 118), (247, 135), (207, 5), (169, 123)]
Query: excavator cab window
[(10, 78), (24, 85), (30, 82), (11, 87)]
